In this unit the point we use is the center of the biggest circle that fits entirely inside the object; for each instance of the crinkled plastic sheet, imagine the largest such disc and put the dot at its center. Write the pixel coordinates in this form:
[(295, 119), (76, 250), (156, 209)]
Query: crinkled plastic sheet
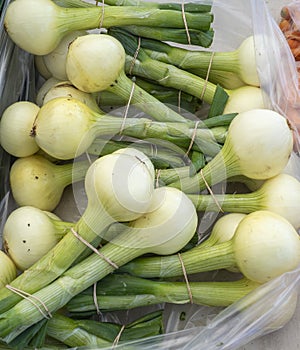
[(16, 83), (256, 314)]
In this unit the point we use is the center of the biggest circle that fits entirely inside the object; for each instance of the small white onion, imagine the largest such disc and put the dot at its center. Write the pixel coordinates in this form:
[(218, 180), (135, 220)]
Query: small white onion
[(55, 61), (15, 129), (28, 234), (265, 246)]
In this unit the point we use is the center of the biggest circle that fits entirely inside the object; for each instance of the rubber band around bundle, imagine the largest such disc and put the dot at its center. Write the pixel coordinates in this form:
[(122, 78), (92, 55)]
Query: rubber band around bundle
[(29, 298), (154, 150), (96, 300), (192, 138), (179, 101), (207, 75), (157, 178), (185, 24), (102, 15), (211, 192), (102, 256), (135, 56), (88, 157), (186, 278), (116, 341), (127, 107)]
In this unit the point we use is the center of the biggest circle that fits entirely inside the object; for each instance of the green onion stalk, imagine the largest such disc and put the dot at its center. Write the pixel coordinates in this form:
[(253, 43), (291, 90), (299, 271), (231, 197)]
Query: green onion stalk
[(195, 37), (83, 332), (201, 293), (169, 224), (37, 181), (23, 20), (241, 62), (108, 183), (180, 102), (188, 6), (75, 54), (257, 237), (240, 99), (162, 155), (75, 127)]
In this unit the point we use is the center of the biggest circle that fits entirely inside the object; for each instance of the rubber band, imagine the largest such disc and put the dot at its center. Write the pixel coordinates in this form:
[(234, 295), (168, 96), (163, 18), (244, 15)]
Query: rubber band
[(211, 192), (29, 298), (96, 300), (134, 58), (157, 178), (116, 341), (154, 150), (192, 138), (88, 157), (127, 107), (102, 256), (102, 15), (207, 75), (186, 278), (179, 101), (185, 24)]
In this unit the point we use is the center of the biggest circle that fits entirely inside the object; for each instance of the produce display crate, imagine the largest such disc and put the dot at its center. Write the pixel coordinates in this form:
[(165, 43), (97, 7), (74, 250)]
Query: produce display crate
[(258, 313)]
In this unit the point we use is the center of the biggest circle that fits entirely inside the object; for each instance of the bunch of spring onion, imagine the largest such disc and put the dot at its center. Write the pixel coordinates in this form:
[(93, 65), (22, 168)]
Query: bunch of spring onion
[(258, 237), (58, 21), (61, 331), (168, 224), (119, 187), (125, 214), (141, 292), (220, 65), (139, 63)]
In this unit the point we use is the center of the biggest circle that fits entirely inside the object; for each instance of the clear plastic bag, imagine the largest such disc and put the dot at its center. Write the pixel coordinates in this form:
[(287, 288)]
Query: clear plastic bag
[(258, 313)]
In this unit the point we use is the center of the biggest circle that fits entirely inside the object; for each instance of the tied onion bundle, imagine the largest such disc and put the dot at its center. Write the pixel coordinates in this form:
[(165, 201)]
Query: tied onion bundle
[(141, 64), (57, 21), (258, 238), (279, 194), (84, 71), (258, 145), (65, 128), (146, 291), (119, 187), (241, 62), (168, 225)]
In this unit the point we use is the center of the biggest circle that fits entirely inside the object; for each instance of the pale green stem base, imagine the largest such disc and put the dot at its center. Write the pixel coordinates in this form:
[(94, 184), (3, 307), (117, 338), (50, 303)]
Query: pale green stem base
[(194, 260)]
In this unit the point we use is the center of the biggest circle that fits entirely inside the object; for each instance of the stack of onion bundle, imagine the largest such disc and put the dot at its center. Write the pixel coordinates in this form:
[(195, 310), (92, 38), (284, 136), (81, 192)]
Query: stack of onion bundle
[(138, 220)]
